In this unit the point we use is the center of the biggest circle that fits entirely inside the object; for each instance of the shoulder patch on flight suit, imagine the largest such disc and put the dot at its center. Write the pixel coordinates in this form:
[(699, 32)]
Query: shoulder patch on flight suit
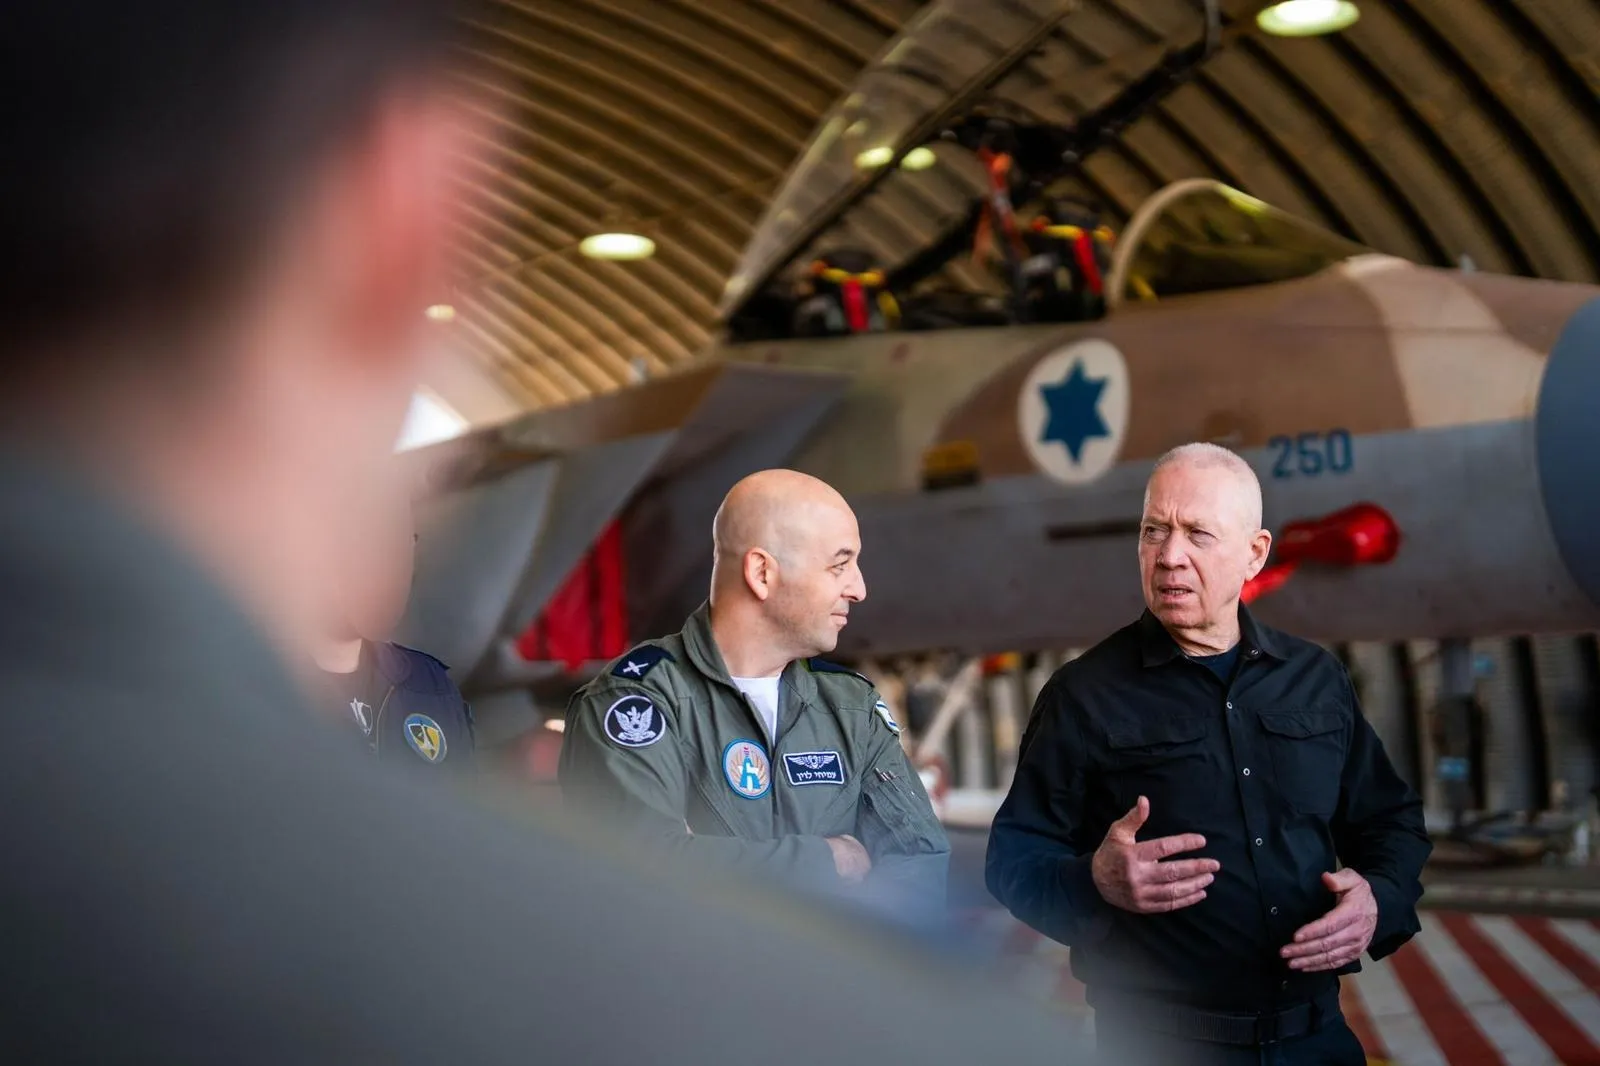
[(426, 737), (634, 722), (882, 711), (823, 666), (640, 661)]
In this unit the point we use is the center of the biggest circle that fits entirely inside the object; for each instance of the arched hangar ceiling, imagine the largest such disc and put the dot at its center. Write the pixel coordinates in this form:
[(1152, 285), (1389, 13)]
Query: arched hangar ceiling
[(1431, 129)]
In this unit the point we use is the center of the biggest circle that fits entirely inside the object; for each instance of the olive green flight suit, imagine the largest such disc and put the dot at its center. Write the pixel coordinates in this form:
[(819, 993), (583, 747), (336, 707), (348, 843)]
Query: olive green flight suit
[(666, 746)]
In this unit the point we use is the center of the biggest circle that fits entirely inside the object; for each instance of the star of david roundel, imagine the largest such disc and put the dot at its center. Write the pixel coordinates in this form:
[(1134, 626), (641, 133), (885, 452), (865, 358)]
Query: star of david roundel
[(1072, 411)]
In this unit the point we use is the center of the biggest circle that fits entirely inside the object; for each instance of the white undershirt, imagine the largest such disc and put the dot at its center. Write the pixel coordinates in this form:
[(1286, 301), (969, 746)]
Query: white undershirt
[(763, 692)]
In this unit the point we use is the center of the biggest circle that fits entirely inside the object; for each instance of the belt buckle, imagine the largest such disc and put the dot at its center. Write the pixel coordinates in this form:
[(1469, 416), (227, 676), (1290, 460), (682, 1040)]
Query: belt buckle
[(1267, 1028)]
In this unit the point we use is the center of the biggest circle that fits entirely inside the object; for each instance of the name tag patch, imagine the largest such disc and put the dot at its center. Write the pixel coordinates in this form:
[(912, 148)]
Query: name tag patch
[(814, 768)]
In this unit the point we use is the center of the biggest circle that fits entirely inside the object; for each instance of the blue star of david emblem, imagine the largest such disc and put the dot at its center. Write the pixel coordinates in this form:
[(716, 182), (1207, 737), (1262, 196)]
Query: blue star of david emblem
[(1074, 408)]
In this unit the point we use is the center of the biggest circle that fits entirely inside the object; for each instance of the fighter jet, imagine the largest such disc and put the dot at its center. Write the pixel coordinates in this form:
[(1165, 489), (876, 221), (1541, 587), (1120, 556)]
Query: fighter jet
[(1422, 434)]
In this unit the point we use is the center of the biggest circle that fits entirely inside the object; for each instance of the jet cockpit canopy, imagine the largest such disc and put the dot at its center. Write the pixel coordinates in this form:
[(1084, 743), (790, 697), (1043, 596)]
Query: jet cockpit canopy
[(1200, 235)]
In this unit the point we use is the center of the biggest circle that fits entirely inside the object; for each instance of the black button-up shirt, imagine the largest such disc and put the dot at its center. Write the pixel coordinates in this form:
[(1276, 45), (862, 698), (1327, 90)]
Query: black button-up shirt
[(1265, 753)]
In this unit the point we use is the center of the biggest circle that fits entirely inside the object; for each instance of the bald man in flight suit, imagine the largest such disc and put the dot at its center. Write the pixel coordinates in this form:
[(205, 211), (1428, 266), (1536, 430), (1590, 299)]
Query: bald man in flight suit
[(732, 742)]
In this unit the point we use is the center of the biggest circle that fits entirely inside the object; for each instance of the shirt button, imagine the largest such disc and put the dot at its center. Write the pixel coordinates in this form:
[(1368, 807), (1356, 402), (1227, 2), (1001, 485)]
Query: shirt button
[(1274, 910), (1230, 705), (1247, 771), (1258, 842), (1284, 986), (1254, 652)]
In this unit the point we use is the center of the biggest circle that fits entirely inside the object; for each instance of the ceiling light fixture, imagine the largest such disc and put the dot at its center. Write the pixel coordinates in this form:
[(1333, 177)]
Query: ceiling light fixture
[(441, 313), (919, 158), (617, 246), (873, 158), (1307, 18)]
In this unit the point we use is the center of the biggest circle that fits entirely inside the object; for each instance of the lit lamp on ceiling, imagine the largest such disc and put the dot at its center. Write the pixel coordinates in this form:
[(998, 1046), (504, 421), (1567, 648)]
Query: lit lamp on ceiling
[(441, 313), (1307, 18), (617, 246), (919, 158), (873, 158)]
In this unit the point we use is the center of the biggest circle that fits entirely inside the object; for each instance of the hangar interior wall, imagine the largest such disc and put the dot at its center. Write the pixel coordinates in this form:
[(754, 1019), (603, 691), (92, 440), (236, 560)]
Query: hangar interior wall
[(1539, 697)]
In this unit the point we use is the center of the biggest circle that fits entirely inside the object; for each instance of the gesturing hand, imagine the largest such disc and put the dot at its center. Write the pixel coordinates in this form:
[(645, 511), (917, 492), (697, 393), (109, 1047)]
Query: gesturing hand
[(1341, 935), (1130, 874)]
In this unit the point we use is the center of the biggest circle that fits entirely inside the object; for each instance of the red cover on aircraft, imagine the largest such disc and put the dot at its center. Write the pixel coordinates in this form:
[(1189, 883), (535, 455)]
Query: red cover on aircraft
[(855, 306), (587, 618)]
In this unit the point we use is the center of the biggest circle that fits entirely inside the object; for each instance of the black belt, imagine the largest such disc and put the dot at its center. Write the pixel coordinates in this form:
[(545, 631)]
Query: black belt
[(1224, 1027)]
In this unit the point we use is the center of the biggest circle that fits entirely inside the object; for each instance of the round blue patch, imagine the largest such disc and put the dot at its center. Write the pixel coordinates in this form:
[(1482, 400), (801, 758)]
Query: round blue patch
[(634, 722), (747, 768), (425, 737)]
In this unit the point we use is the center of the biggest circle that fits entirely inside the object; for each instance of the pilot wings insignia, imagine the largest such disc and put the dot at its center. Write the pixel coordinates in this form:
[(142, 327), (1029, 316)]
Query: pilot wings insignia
[(814, 768), (633, 722)]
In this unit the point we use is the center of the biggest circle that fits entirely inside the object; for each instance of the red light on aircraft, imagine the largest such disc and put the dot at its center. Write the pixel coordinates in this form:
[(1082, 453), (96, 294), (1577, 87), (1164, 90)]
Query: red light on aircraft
[(1270, 579), (1358, 535)]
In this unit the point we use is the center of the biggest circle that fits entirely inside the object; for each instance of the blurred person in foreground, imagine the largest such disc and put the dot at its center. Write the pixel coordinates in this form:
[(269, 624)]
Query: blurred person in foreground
[(399, 703), (1201, 811), (220, 228), (733, 743)]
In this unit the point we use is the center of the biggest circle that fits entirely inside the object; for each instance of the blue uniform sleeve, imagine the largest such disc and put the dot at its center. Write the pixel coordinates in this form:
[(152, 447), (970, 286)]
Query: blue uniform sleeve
[(1039, 855)]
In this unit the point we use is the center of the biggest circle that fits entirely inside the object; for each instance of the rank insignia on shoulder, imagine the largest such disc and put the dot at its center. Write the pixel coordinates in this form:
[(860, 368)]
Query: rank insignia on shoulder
[(882, 711), (634, 722), (823, 666), (640, 661)]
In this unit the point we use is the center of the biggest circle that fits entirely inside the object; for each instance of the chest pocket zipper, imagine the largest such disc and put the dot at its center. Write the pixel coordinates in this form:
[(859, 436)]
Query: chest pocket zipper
[(715, 811), (885, 817)]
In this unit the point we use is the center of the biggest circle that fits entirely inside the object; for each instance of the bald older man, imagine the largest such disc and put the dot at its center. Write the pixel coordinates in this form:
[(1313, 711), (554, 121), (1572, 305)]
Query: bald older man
[(733, 742), (1186, 794)]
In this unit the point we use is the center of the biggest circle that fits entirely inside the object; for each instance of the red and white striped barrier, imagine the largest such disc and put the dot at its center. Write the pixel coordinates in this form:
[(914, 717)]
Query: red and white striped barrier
[(1471, 989)]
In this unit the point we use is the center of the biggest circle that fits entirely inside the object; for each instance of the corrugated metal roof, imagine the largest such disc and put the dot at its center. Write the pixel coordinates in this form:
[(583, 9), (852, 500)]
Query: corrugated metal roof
[(1432, 129)]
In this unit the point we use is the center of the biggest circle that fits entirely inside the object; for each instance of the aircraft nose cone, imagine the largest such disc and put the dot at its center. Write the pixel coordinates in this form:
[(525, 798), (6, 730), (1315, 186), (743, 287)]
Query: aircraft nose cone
[(1567, 446)]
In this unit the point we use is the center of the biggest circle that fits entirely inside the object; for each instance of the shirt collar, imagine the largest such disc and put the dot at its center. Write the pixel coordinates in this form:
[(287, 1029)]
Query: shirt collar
[(701, 646), (1157, 647), (392, 661)]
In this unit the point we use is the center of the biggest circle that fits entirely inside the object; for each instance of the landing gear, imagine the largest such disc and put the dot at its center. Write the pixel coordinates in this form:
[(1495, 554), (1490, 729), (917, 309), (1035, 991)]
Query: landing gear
[(1457, 727), (1478, 836)]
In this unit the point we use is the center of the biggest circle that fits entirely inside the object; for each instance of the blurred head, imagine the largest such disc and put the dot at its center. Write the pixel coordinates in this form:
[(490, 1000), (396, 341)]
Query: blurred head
[(219, 238), (787, 555), (1200, 540), (378, 536)]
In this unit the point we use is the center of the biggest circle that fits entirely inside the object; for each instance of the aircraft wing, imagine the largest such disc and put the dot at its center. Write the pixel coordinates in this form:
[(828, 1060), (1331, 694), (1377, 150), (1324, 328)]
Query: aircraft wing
[(507, 513)]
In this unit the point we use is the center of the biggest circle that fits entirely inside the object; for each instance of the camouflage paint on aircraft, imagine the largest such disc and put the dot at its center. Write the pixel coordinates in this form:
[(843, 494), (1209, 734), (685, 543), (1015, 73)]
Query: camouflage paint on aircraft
[(1360, 378)]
